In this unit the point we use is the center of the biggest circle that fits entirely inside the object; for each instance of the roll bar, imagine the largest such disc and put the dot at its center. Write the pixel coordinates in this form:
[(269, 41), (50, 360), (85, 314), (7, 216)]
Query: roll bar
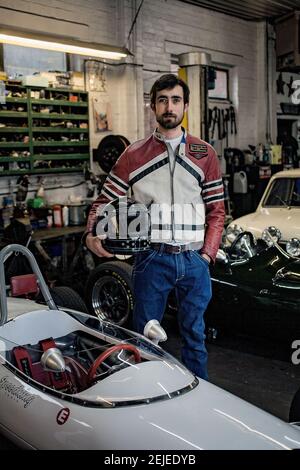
[(15, 248)]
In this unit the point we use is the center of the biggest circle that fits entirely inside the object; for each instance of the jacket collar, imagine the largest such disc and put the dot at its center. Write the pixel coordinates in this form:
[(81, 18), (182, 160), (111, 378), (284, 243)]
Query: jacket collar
[(158, 136)]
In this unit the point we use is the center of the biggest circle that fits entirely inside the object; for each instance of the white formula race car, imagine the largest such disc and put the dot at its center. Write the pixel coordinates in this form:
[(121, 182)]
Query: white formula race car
[(71, 381)]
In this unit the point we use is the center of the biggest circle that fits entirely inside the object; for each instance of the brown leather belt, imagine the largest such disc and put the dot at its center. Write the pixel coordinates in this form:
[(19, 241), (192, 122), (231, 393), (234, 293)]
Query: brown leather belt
[(176, 249)]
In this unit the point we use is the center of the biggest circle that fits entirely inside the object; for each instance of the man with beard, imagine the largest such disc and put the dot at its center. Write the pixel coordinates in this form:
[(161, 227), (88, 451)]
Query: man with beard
[(178, 177)]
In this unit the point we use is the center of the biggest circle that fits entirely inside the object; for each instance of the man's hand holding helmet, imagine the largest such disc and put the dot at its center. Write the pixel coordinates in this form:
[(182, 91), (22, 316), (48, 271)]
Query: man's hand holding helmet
[(95, 245), (121, 227)]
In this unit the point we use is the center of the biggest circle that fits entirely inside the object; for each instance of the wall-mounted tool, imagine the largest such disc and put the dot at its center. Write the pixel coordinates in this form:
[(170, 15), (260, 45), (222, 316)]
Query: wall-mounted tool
[(222, 122)]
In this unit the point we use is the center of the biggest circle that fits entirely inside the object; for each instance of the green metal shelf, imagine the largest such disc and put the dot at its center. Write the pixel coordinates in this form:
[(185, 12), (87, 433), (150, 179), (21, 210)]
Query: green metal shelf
[(14, 159), (64, 156), (16, 100), (15, 130), (81, 117), (60, 90), (60, 143), (13, 144), (82, 104), (37, 171), (71, 162), (12, 114), (60, 129), (56, 170), (16, 172), (17, 84)]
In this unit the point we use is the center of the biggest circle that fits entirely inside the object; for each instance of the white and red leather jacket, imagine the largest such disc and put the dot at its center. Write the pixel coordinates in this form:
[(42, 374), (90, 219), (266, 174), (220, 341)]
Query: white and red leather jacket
[(193, 189)]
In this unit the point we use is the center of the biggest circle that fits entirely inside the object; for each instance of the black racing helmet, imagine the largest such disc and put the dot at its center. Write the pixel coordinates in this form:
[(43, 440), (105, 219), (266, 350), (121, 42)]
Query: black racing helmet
[(126, 225)]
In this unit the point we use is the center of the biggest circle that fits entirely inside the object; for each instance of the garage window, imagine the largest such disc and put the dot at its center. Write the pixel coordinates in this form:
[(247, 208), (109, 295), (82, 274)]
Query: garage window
[(19, 60), (221, 90)]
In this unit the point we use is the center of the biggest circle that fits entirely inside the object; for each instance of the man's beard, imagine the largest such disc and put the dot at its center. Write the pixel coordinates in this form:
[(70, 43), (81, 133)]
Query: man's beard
[(169, 121)]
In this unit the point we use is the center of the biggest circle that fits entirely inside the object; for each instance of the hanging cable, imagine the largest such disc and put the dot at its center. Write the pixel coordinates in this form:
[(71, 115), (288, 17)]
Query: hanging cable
[(133, 23), (268, 123), (269, 38)]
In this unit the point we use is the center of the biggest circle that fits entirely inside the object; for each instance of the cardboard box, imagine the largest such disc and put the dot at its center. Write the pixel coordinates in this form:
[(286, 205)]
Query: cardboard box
[(35, 80), (77, 80), (57, 79)]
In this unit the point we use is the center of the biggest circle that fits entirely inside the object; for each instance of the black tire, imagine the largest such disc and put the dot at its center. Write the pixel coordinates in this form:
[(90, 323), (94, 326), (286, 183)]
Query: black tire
[(109, 150), (109, 294), (64, 296), (295, 409)]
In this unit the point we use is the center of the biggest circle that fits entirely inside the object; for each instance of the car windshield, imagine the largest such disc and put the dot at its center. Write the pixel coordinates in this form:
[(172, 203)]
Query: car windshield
[(81, 359), (284, 192)]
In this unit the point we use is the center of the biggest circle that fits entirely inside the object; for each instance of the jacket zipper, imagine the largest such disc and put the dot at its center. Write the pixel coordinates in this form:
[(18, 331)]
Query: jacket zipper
[(172, 189)]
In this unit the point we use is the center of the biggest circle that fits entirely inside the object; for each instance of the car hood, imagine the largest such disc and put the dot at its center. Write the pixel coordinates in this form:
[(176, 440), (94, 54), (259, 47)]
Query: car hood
[(207, 418), (286, 220)]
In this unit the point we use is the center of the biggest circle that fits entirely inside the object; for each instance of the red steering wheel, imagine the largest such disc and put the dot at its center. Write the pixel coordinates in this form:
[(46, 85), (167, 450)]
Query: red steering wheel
[(117, 347)]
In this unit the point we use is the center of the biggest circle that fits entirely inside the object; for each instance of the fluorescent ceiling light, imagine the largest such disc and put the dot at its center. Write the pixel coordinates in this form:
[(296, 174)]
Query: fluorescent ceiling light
[(71, 46)]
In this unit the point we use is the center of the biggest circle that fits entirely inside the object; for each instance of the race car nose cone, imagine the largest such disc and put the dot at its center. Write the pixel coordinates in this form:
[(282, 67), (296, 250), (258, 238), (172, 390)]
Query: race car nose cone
[(53, 360), (154, 331)]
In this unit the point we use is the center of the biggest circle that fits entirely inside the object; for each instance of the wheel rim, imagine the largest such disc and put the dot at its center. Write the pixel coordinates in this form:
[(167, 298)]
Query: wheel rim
[(111, 300)]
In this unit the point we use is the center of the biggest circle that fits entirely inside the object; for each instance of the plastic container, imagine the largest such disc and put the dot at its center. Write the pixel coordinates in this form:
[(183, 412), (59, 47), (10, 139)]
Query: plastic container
[(65, 216), (57, 216), (240, 184), (50, 218), (77, 214)]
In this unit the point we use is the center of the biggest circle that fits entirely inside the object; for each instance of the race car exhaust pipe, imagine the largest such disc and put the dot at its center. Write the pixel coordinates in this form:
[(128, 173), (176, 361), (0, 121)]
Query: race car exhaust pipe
[(155, 332)]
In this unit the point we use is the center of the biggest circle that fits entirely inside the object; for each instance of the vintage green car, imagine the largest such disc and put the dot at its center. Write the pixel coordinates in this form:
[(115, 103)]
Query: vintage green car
[(256, 289)]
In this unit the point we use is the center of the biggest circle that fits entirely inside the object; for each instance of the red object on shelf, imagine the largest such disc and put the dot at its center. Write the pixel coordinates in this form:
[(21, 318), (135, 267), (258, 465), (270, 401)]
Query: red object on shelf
[(57, 216)]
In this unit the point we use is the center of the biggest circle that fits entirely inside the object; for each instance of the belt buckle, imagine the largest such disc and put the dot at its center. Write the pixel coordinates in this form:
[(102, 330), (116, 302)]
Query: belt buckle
[(179, 248)]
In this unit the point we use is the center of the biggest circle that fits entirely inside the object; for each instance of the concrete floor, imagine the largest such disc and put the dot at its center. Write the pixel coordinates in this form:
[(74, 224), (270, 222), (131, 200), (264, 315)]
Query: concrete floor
[(258, 371)]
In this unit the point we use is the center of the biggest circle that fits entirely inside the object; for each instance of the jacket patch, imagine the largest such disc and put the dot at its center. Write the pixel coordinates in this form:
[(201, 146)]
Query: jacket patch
[(198, 150)]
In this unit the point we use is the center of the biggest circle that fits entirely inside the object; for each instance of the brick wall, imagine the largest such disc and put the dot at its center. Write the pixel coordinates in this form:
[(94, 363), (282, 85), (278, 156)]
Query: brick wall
[(172, 27), (163, 28), (88, 20)]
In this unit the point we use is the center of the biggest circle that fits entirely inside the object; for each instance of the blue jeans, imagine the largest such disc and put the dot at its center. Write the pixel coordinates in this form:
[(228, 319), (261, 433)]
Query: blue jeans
[(155, 274)]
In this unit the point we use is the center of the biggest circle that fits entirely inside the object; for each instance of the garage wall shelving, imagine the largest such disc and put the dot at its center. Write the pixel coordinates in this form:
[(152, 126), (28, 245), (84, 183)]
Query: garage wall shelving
[(43, 130)]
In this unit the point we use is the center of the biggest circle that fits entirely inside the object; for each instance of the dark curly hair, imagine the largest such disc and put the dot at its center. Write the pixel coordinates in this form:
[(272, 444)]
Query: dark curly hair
[(169, 81)]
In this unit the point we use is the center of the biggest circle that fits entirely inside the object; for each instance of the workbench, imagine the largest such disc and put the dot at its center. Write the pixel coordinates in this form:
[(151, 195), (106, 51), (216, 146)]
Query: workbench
[(56, 232), (61, 235)]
